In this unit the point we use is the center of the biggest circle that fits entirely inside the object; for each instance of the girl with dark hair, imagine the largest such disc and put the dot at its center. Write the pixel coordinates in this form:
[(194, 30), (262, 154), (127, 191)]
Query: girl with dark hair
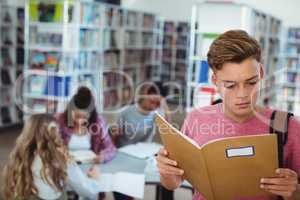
[(83, 129)]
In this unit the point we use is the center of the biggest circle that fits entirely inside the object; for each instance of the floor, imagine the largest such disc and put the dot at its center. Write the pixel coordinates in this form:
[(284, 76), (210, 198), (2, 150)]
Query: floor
[(9, 135)]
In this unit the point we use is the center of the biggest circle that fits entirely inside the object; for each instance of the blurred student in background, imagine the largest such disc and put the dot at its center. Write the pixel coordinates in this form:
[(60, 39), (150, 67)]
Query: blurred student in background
[(82, 128), (136, 123), (40, 167)]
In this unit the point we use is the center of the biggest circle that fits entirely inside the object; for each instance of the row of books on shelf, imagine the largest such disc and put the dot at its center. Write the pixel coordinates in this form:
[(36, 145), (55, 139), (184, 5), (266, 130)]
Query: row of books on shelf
[(90, 13), (55, 61), (260, 22), (180, 54), (12, 16), (113, 39), (10, 115), (11, 36), (290, 92), (88, 38), (11, 56), (294, 34), (293, 51), (275, 26), (118, 98), (175, 42), (8, 76), (180, 27), (290, 77), (44, 38)]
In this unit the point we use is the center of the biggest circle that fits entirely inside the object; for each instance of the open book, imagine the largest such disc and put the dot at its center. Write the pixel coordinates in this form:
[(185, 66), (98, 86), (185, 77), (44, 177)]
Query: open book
[(83, 156), (226, 168)]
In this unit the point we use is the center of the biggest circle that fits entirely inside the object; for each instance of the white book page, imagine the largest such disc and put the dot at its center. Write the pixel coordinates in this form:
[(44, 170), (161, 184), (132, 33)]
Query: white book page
[(126, 183), (141, 150), (83, 156)]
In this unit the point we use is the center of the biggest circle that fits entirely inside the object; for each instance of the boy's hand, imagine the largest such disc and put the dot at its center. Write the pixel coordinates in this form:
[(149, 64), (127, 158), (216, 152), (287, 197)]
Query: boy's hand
[(169, 170), (285, 184)]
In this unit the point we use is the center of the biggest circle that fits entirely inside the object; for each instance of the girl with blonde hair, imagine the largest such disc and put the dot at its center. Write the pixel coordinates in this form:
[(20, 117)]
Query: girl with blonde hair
[(40, 167)]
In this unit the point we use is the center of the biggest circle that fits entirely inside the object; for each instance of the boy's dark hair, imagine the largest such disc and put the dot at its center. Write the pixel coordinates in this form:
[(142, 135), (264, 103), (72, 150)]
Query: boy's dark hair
[(232, 46)]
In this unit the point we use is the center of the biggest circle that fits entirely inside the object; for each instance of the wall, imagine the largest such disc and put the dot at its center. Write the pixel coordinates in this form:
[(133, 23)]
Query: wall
[(177, 10)]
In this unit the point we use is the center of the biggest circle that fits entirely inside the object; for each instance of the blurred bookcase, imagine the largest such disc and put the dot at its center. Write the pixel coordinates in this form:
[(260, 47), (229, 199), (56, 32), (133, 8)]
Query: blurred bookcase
[(175, 59), (225, 16), (11, 62), (104, 47), (288, 82)]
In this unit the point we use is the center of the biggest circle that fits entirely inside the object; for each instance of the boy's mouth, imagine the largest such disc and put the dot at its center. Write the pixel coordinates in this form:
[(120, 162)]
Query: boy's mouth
[(243, 105)]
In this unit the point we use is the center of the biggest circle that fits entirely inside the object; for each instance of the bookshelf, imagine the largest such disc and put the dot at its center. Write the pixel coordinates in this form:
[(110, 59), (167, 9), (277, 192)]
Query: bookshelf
[(11, 62), (175, 59), (288, 84), (105, 47), (62, 50), (262, 26)]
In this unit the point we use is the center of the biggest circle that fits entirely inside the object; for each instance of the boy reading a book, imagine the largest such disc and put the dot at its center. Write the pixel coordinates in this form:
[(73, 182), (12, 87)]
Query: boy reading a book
[(235, 59)]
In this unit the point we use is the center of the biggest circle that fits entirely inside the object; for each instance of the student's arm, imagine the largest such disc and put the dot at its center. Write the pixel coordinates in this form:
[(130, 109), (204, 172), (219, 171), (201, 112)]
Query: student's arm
[(80, 183), (109, 151), (117, 130), (102, 144)]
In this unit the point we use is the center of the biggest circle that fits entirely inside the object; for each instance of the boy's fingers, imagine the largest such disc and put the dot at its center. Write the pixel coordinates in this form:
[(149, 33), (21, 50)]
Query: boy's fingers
[(165, 160), (163, 152), (275, 187), (278, 181), (286, 172), (171, 168)]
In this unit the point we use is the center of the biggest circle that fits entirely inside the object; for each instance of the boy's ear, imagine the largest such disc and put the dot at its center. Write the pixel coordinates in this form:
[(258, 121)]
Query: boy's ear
[(214, 79), (261, 71)]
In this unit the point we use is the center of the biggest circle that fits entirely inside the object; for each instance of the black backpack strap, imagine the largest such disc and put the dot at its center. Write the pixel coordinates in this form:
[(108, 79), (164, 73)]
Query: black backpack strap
[(279, 125)]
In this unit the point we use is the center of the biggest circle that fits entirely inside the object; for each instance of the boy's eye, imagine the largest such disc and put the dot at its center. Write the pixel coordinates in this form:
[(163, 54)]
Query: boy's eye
[(229, 86), (252, 83)]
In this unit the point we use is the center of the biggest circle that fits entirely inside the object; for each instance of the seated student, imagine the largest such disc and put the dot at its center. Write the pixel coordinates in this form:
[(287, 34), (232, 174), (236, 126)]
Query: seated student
[(235, 59), (40, 167), (83, 129), (136, 124)]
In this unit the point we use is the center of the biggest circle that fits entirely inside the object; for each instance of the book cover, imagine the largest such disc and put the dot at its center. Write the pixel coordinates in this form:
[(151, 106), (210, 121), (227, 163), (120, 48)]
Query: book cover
[(216, 168)]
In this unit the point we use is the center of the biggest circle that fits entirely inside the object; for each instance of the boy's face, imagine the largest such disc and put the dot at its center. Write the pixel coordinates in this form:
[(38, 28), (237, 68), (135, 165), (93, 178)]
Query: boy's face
[(238, 85)]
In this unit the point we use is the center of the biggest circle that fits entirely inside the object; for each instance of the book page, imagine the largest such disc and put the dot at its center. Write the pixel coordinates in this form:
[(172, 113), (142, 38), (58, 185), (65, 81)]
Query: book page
[(126, 183), (141, 150), (83, 156)]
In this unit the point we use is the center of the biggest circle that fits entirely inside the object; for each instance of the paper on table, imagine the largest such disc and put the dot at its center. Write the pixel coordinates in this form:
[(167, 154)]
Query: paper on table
[(83, 156), (123, 182), (141, 150)]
